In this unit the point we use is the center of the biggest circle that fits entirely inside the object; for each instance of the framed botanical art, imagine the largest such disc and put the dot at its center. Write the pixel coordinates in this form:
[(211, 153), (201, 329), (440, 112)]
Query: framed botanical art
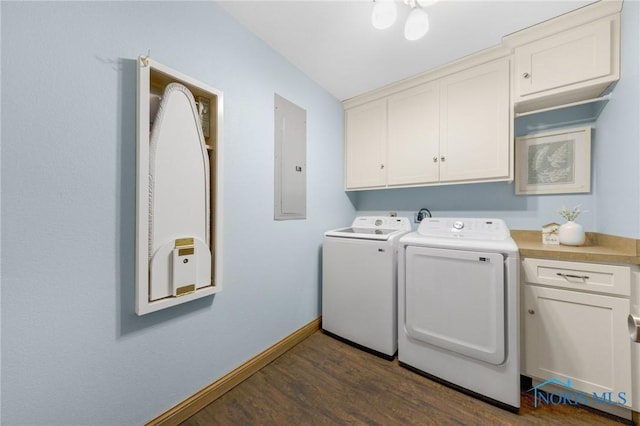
[(555, 162)]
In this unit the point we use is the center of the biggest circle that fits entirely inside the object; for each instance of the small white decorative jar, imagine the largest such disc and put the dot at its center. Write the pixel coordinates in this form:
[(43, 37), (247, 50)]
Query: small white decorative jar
[(571, 234)]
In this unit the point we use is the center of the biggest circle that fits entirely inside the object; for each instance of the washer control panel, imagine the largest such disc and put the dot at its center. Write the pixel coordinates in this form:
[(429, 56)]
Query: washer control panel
[(382, 222), (470, 228)]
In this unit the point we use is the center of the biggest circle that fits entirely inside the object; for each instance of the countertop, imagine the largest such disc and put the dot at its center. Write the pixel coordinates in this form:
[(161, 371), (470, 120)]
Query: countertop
[(597, 248)]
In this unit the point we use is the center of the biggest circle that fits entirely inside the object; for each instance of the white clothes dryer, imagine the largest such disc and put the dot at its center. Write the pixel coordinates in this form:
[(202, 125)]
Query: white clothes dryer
[(458, 306), (359, 282)]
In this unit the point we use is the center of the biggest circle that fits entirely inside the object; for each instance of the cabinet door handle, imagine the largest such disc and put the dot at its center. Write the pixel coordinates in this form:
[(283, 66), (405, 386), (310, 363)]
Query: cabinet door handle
[(381, 166), (526, 75), (442, 158), (567, 276), (435, 159), (531, 311), (634, 327)]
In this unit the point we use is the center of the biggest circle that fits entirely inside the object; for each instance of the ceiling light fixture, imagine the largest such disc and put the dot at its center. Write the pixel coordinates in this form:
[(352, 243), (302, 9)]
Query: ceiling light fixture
[(417, 24), (385, 13)]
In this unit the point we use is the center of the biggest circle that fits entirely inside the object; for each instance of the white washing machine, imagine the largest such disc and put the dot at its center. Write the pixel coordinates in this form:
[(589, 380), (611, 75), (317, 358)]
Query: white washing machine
[(359, 282), (458, 309)]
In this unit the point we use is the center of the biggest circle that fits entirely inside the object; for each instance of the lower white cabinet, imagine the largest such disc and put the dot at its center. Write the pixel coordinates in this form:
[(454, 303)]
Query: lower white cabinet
[(577, 335)]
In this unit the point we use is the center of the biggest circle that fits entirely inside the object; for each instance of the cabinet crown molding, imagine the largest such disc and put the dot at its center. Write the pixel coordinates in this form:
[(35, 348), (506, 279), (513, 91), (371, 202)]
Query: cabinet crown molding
[(584, 15), (461, 64)]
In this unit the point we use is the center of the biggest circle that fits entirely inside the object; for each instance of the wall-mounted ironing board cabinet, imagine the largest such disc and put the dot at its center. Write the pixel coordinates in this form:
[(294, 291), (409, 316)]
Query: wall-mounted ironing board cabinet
[(179, 199)]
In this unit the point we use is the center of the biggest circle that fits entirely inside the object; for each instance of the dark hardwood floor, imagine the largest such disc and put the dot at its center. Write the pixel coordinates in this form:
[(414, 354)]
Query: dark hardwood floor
[(323, 381)]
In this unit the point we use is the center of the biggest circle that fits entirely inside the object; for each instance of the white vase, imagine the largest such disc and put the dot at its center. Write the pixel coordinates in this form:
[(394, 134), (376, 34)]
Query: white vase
[(571, 234)]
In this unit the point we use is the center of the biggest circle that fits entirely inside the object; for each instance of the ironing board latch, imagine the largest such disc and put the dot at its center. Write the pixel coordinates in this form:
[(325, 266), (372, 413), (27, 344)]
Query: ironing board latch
[(185, 246)]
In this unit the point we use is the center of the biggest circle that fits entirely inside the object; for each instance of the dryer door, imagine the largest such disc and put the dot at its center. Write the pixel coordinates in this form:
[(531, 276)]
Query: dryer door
[(454, 299)]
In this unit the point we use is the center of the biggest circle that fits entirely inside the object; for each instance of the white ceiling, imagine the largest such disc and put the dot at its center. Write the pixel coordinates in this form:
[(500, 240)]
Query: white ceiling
[(334, 43)]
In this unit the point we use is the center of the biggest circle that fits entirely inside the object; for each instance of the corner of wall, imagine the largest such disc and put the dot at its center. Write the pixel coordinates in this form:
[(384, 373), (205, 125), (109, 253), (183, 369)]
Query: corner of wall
[(617, 177)]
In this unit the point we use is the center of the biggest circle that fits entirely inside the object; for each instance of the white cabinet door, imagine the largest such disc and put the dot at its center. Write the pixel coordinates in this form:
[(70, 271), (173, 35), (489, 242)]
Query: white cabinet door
[(578, 336), (414, 132), (475, 124), (570, 57), (366, 137)]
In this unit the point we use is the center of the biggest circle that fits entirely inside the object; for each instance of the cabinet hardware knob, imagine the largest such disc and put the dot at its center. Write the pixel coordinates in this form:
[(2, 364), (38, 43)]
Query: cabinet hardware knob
[(531, 311), (567, 276), (634, 328), (381, 166), (442, 158), (435, 159), (526, 75)]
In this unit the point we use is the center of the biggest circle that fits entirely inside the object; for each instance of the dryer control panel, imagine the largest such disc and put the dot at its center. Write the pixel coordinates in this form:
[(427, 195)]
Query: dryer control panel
[(469, 228)]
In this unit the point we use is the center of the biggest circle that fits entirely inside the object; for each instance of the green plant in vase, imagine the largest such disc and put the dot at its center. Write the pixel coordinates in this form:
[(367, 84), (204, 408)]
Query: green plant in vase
[(571, 233)]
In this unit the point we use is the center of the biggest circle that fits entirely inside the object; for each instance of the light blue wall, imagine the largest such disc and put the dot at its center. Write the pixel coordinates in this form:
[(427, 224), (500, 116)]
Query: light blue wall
[(494, 200), (617, 158), (73, 350), (612, 207), (0, 225)]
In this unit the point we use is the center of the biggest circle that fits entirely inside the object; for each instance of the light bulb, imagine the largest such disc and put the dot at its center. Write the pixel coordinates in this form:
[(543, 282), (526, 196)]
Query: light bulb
[(417, 24), (426, 3), (384, 14)]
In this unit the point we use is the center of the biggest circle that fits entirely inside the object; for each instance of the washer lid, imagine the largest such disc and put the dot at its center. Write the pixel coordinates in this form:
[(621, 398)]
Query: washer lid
[(364, 233), (373, 228)]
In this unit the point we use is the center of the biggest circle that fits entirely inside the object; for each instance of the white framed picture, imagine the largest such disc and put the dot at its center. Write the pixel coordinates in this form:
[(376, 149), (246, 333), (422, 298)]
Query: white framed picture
[(555, 162)]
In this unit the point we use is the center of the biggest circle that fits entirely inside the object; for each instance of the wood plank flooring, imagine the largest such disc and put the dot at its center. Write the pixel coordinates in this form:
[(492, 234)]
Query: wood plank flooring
[(323, 381)]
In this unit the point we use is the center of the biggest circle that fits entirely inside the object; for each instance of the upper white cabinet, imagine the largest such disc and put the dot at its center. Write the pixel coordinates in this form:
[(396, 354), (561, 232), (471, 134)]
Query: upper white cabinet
[(414, 135), (450, 129), (572, 58), (475, 121), (365, 150)]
